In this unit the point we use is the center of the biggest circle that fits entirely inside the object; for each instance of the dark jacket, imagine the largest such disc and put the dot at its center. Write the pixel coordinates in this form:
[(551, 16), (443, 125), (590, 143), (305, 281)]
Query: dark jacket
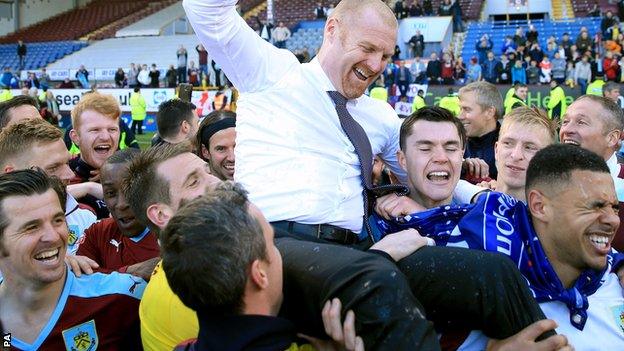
[(483, 147), (242, 332)]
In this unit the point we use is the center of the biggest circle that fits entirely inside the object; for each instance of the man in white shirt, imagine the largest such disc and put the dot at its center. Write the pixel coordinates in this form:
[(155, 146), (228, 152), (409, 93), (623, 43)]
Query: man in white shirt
[(595, 123), (280, 35), (303, 171)]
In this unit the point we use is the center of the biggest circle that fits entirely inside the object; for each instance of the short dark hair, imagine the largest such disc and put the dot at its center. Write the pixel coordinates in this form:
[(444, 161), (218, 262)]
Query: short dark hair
[(170, 116), (16, 101), (142, 186), (137, 89), (610, 86), (553, 165), (208, 247), (26, 182), (520, 85), (212, 117), (122, 156), (431, 114)]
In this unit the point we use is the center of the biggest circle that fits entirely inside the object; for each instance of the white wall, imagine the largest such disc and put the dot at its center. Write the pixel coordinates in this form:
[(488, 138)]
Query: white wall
[(6, 26), (33, 11), (501, 7)]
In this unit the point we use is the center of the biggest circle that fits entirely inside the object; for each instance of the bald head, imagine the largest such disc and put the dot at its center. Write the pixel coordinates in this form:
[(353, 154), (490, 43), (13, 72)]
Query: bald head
[(359, 38), (348, 10)]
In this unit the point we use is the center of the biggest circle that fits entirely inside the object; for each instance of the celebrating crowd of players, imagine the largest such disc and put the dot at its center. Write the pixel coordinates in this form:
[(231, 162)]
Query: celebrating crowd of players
[(303, 249)]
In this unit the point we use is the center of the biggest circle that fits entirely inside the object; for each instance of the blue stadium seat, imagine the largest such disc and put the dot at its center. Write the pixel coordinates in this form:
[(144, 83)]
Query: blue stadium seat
[(39, 54)]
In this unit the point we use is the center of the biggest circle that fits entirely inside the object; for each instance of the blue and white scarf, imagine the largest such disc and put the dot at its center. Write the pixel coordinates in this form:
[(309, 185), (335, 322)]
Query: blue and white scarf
[(500, 223)]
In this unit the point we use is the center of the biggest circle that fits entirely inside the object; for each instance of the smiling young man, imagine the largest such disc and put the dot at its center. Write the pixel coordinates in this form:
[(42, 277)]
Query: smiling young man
[(595, 123), (120, 243), (216, 139), (158, 181), (36, 143), (42, 303), (523, 133), (566, 192), (95, 121)]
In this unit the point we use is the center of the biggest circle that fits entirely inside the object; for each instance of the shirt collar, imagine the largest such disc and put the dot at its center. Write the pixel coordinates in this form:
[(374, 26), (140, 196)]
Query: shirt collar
[(323, 80), (612, 163), (70, 205), (139, 237)]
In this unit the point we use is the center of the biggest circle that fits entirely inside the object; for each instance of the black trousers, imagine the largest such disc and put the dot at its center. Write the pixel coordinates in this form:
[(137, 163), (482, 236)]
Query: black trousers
[(137, 126), (395, 304)]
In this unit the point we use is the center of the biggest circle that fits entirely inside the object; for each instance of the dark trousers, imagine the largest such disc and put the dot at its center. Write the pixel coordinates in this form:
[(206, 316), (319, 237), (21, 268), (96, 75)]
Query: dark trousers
[(137, 126), (403, 87), (182, 75), (458, 288)]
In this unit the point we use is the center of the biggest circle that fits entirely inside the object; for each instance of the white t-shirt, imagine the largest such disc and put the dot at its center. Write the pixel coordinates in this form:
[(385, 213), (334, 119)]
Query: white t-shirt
[(603, 331)]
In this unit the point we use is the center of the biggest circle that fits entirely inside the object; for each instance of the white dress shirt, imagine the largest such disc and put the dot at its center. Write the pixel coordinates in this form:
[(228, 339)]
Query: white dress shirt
[(291, 152), (292, 155)]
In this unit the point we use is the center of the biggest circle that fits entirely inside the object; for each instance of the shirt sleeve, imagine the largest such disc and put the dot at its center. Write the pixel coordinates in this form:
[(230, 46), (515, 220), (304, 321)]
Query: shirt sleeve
[(250, 62), (87, 245), (465, 192), (389, 154)]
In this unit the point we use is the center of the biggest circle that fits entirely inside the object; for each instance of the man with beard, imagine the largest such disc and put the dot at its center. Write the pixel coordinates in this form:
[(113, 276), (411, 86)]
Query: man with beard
[(216, 139), (120, 243), (306, 135)]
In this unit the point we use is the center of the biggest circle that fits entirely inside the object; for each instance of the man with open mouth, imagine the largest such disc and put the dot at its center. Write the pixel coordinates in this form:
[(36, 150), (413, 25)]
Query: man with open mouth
[(95, 121), (120, 243), (561, 240), (595, 123), (42, 302)]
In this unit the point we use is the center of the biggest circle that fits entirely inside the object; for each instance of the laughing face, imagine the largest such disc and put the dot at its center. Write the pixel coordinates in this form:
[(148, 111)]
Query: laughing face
[(111, 176), (35, 239), (97, 137), (582, 125), (584, 219), (476, 120), (432, 158), (357, 51), (220, 153)]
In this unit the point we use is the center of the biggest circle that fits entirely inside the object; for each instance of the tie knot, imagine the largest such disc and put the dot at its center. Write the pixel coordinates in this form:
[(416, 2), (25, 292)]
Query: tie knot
[(338, 98)]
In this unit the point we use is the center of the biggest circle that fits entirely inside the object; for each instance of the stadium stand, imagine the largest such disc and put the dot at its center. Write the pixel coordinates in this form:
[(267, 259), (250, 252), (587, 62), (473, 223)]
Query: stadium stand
[(160, 50), (546, 28), (153, 24), (39, 54), (110, 30), (73, 24), (582, 7)]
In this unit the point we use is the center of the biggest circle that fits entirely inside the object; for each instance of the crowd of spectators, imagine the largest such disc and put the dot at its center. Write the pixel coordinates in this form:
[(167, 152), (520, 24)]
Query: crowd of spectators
[(572, 60)]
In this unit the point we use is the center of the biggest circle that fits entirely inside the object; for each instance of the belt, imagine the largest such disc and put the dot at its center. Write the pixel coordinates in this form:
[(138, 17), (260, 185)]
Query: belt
[(320, 231)]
